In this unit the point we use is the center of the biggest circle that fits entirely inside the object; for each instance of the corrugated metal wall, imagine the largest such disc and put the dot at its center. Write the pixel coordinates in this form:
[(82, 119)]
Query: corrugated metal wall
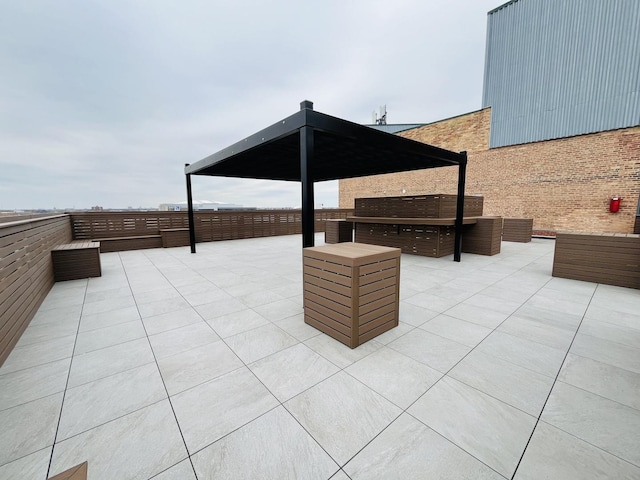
[(557, 68)]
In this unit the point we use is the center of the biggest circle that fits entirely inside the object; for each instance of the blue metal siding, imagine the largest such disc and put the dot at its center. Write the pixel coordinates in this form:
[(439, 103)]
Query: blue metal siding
[(557, 68)]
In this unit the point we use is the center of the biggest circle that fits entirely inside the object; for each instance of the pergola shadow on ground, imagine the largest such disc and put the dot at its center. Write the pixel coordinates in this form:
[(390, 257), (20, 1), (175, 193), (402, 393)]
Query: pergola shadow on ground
[(310, 147)]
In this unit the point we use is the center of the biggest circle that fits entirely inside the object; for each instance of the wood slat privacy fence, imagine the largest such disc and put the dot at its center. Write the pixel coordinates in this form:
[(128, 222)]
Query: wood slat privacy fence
[(26, 268), (26, 272), (210, 226)]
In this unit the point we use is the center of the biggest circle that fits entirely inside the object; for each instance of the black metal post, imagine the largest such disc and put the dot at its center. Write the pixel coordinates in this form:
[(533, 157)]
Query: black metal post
[(462, 174), (306, 164), (192, 226)]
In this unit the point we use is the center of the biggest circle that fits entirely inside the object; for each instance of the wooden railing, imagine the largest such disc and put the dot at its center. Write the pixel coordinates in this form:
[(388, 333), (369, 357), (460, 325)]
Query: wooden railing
[(209, 226), (26, 272)]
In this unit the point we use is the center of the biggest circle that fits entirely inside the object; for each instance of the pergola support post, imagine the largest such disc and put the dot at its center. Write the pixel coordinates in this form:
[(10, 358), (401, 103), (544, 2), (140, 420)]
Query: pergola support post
[(306, 164), (192, 226), (462, 174)]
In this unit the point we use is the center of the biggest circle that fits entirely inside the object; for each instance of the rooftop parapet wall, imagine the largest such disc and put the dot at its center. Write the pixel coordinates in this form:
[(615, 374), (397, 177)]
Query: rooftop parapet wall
[(26, 272)]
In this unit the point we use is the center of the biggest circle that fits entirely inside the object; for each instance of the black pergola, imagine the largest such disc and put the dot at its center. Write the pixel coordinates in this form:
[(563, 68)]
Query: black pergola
[(310, 146)]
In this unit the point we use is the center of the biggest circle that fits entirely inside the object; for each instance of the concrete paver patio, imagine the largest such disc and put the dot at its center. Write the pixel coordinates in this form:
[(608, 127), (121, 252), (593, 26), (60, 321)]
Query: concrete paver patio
[(180, 366)]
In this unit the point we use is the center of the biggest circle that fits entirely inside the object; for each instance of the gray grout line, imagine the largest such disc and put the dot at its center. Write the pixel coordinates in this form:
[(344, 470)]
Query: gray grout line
[(553, 385), (66, 386)]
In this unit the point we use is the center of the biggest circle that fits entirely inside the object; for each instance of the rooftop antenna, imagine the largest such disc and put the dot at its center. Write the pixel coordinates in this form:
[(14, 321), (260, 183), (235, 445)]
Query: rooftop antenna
[(382, 120)]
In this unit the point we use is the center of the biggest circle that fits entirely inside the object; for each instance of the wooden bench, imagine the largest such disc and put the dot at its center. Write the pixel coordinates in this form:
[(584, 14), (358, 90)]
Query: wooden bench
[(609, 258), (338, 231), (517, 230), (72, 261), (117, 244), (175, 237), (351, 290)]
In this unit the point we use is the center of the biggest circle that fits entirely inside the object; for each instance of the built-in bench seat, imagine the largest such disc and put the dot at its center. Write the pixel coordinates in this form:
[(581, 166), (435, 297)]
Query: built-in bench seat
[(138, 242), (76, 260), (609, 258), (175, 237)]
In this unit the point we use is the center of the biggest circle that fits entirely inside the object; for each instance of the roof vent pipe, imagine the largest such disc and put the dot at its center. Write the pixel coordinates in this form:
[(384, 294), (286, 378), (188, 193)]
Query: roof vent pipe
[(306, 104)]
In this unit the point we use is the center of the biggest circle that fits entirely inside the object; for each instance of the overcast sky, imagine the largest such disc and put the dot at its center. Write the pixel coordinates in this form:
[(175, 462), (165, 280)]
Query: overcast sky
[(102, 102)]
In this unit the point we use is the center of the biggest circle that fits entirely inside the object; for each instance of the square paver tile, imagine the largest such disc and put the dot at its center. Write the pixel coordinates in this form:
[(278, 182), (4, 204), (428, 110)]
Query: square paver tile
[(518, 386), (606, 424), (193, 367), (433, 350), (91, 340), (395, 376), (292, 370), (171, 320), (180, 471), (260, 342), (214, 409), (408, 449), (237, 322), (92, 366), (95, 403), (29, 427), (606, 351), (342, 415), (338, 353), (484, 317), (611, 382), (137, 445), (490, 430), (293, 454), (34, 465), (32, 383), (296, 327), (553, 453), (460, 331), (534, 356), (105, 319), (182, 339), (38, 354)]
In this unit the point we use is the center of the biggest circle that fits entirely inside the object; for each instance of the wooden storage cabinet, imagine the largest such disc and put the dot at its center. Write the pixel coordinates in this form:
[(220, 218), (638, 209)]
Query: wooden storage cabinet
[(351, 290)]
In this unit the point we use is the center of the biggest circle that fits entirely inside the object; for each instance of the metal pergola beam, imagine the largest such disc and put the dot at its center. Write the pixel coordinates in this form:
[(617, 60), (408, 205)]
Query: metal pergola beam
[(310, 146)]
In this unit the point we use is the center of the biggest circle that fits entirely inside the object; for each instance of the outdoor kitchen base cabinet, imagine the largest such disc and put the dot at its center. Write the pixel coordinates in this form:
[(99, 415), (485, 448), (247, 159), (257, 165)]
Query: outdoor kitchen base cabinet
[(351, 290)]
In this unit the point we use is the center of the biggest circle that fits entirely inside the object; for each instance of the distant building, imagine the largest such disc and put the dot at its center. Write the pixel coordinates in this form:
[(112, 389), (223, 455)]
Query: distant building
[(202, 205), (558, 135)]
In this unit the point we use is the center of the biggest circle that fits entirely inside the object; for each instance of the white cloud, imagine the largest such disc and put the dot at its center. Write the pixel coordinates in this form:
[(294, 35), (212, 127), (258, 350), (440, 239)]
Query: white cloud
[(104, 101)]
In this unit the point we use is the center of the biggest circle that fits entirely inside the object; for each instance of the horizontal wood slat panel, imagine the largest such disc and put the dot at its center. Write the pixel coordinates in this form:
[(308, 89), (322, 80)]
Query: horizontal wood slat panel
[(600, 258), (209, 226), (370, 293), (26, 272), (517, 229), (327, 285)]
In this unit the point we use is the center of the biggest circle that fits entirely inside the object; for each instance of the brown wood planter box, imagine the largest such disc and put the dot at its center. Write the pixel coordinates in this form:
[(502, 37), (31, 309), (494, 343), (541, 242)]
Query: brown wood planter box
[(338, 231), (175, 237), (483, 238), (73, 261), (351, 290), (517, 230), (609, 258)]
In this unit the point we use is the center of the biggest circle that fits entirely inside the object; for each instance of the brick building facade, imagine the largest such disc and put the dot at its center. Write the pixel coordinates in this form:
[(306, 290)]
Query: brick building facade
[(563, 184)]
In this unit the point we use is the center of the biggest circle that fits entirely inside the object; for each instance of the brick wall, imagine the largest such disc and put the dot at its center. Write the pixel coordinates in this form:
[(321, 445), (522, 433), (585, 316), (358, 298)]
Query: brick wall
[(562, 184)]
